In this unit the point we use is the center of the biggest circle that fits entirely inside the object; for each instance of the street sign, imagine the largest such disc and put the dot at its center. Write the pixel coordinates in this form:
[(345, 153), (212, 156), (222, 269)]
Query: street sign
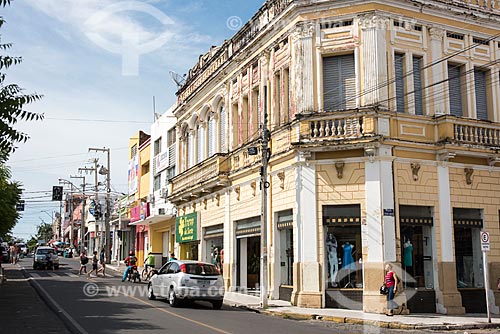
[(485, 241)]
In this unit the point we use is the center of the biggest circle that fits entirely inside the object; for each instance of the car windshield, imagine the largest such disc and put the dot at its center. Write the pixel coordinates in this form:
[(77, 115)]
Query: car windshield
[(201, 269), (44, 251)]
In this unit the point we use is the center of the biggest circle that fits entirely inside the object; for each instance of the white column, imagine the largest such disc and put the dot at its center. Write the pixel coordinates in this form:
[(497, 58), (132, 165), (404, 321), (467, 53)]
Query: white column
[(229, 266), (374, 51), (306, 251), (303, 64), (445, 213), (380, 230), (439, 104)]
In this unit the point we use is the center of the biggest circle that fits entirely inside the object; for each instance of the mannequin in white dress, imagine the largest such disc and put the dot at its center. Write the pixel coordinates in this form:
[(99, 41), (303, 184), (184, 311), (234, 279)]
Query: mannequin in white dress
[(331, 248)]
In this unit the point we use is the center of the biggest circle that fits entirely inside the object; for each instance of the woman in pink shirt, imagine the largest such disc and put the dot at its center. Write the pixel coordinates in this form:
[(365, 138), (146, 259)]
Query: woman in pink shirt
[(391, 282)]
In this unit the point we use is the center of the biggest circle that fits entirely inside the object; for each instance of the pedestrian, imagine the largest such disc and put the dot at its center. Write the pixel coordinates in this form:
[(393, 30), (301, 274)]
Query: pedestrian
[(13, 254), (95, 261), (172, 257), (83, 262), (102, 261), (391, 282)]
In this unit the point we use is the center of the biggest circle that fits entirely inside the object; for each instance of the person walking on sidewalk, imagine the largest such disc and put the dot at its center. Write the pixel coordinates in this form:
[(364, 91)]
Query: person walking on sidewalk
[(83, 262), (13, 254), (102, 261), (391, 282), (95, 262)]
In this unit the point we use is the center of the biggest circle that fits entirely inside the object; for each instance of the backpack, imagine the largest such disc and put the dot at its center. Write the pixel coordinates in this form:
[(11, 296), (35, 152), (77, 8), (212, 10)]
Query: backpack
[(84, 259)]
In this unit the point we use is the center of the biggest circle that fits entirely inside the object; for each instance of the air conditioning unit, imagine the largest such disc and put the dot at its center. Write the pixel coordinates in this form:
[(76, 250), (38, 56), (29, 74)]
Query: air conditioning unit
[(161, 211)]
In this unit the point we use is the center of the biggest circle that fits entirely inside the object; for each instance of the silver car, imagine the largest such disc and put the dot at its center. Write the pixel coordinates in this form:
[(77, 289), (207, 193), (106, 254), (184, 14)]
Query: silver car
[(187, 280), (41, 255)]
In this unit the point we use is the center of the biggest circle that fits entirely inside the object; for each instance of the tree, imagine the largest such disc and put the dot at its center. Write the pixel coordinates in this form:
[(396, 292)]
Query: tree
[(45, 232), (10, 196), (12, 101)]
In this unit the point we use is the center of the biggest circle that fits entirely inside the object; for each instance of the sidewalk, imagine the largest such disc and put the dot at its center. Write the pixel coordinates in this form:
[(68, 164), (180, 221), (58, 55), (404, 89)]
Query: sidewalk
[(22, 309), (432, 321)]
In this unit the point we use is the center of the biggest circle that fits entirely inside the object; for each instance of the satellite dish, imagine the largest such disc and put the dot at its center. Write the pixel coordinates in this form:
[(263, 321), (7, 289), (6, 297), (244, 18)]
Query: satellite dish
[(178, 79)]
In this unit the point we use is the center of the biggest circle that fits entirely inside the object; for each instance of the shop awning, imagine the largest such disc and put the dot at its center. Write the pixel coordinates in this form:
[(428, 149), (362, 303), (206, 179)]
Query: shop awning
[(152, 220)]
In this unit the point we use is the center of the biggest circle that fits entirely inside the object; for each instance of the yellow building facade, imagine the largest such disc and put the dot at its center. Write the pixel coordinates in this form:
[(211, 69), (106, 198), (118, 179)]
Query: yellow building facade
[(384, 138)]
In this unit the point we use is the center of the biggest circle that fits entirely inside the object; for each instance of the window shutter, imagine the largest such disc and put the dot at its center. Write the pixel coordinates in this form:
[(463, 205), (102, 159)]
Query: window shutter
[(200, 143), (222, 118), (339, 83), (417, 85), (190, 149), (400, 82), (481, 97), (455, 90), (211, 136)]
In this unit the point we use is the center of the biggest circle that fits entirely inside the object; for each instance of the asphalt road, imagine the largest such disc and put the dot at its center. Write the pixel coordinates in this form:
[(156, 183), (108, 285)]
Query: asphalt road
[(107, 305)]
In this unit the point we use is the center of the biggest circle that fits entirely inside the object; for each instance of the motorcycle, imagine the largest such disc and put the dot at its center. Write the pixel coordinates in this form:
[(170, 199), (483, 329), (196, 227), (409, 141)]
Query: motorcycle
[(133, 274)]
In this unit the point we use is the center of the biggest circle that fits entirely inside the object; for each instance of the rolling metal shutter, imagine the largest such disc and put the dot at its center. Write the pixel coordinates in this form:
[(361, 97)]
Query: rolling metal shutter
[(481, 97), (400, 82), (339, 83), (455, 90), (417, 85)]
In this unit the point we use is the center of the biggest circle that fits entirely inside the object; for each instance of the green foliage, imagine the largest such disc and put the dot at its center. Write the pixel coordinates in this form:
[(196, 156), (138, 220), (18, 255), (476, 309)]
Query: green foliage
[(10, 196), (44, 232), (13, 101)]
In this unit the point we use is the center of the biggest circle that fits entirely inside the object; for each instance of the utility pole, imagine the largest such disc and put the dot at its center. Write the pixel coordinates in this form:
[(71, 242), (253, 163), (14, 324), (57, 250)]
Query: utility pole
[(107, 217), (82, 225), (264, 185), (96, 192)]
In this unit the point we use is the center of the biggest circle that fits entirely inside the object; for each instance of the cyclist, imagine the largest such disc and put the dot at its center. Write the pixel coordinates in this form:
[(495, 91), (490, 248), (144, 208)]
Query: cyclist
[(149, 264), (130, 261)]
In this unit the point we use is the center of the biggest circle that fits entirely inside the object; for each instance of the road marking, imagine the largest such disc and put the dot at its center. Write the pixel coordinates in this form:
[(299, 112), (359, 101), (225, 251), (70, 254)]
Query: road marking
[(71, 275), (35, 275), (53, 275), (177, 315)]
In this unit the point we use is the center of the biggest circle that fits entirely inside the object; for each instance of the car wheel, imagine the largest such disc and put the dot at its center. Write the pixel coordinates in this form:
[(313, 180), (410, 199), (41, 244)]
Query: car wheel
[(151, 295), (217, 304), (172, 298), (56, 267), (34, 267)]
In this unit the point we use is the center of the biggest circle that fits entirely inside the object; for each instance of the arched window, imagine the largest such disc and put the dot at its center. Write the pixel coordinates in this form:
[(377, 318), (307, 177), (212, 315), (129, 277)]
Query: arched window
[(223, 129), (211, 135)]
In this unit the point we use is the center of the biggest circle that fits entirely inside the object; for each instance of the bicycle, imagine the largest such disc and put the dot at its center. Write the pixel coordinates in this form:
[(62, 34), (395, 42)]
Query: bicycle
[(147, 273)]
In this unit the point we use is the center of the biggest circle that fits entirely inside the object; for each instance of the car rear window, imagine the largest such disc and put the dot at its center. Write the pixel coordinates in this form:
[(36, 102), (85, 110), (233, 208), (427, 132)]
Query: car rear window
[(202, 269), (44, 251)]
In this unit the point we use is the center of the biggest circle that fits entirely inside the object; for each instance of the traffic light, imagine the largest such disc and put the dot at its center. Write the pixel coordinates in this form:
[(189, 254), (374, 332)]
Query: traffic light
[(20, 206), (57, 193)]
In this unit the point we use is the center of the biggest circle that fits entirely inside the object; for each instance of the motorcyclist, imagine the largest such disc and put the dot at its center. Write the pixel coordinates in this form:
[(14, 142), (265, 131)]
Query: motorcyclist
[(130, 261)]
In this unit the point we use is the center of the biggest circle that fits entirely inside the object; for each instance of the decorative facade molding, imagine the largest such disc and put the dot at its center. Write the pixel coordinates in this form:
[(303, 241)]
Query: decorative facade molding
[(373, 21), (437, 33)]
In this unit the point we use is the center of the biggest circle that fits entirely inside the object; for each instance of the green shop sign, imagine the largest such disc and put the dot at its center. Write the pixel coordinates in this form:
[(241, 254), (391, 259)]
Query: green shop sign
[(186, 228)]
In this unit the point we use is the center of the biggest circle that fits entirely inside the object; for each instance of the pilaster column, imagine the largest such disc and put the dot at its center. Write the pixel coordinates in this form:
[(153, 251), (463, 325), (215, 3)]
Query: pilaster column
[(438, 103), (307, 269), (449, 300), (379, 234), (302, 65), (374, 53)]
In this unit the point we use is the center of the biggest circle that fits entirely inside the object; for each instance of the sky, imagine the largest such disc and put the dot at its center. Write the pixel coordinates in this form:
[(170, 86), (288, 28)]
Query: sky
[(98, 64)]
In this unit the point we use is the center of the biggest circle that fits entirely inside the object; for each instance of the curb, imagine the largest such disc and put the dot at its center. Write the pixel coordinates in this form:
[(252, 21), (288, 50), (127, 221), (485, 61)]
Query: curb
[(376, 323)]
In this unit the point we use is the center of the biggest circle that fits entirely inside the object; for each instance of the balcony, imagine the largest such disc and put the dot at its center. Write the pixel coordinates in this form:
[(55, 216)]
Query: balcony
[(357, 127), (202, 177)]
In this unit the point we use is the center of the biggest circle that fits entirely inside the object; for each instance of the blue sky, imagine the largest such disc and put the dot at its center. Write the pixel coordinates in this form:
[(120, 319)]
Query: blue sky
[(73, 55)]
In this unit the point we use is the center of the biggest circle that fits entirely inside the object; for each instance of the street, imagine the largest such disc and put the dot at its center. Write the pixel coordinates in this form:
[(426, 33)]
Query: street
[(105, 305)]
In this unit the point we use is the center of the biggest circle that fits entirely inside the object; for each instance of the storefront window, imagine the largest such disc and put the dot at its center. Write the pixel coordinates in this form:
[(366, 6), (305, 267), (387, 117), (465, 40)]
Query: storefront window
[(468, 255), (285, 232), (416, 224), (343, 254), (214, 241)]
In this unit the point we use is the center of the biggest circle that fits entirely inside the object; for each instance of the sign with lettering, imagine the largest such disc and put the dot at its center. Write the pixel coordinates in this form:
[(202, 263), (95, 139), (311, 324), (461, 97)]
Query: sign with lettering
[(186, 228)]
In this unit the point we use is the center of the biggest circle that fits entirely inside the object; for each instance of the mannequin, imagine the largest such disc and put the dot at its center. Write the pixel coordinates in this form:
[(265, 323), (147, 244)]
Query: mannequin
[(331, 248), (407, 257), (348, 262), (408, 253)]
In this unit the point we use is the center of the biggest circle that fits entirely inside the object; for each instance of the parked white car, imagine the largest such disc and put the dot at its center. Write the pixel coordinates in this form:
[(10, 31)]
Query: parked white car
[(187, 280)]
